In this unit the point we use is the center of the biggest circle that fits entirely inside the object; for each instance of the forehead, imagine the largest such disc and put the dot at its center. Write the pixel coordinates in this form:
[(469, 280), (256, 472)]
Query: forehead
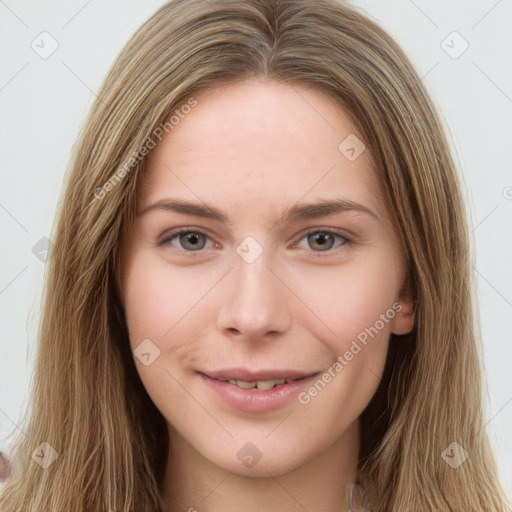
[(261, 146)]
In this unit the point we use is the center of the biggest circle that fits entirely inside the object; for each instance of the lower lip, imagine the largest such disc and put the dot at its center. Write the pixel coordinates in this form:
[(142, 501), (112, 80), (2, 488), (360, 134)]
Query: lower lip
[(255, 400)]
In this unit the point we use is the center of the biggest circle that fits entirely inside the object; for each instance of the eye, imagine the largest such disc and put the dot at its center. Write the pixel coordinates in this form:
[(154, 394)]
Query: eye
[(324, 240), (189, 239)]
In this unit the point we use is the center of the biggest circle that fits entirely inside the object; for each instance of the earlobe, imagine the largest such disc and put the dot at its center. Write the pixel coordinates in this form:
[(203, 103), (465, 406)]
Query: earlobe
[(403, 322)]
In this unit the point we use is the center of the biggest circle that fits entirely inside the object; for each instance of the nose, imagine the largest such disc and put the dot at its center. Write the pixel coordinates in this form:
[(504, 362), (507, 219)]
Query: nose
[(256, 305)]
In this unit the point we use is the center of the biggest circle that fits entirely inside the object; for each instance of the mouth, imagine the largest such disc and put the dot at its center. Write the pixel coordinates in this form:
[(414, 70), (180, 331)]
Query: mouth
[(262, 380), (256, 391), (261, 385)]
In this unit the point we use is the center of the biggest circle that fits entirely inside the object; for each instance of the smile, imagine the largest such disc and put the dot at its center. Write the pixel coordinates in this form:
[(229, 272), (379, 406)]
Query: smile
[(257, 392), (262, 385)]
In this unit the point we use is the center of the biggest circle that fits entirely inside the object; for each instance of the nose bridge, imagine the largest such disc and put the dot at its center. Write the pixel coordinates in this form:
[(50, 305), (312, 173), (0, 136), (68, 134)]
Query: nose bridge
[(255, 301)]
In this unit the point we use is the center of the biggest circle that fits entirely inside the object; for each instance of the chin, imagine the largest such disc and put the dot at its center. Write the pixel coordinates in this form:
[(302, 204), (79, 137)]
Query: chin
[(260, 457)]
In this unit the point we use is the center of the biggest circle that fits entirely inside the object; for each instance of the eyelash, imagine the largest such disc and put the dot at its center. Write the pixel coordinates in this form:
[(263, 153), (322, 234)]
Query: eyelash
[(322, 254)]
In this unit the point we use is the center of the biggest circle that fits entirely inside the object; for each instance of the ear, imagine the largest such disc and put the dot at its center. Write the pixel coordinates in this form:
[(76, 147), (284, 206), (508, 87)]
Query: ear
[(403, 323)]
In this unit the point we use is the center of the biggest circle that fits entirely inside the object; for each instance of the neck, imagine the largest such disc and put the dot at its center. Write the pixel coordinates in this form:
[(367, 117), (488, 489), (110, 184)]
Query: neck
[(195, 484)]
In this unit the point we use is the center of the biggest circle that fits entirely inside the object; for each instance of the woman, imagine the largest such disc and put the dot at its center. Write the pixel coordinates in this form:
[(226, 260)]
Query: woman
[(195, 352)]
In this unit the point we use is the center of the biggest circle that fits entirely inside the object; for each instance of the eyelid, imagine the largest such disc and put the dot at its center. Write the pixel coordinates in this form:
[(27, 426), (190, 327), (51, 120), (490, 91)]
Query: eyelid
[(331, 231), (168, 235), (172, 233)]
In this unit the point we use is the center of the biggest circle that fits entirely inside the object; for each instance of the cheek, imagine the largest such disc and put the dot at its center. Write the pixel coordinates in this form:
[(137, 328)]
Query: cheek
[(158, 296), (338, 302), (350, 298), (355, 305), (160, 306), (357, 308)]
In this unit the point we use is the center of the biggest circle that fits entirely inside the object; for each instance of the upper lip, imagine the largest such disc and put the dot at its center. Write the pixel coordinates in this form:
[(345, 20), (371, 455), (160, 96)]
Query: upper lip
[(251, 375)]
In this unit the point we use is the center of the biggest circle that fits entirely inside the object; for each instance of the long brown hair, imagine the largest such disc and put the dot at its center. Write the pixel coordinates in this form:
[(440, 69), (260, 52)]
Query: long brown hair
[(87, 401)]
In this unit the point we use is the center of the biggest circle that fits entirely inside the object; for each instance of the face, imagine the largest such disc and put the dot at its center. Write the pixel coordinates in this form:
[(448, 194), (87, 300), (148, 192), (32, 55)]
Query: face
[(233, 279)]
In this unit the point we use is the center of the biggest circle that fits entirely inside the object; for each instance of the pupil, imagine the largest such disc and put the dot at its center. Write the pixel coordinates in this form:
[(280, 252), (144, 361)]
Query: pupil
[(192, 238), (321, 239)]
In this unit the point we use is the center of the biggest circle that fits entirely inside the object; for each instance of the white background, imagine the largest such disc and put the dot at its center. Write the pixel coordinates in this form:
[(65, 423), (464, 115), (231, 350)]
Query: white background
[(43, 102)]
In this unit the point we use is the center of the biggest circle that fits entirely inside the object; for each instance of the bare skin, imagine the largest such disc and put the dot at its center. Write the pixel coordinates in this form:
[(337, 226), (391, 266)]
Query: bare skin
[(253, 150), (6, 469)]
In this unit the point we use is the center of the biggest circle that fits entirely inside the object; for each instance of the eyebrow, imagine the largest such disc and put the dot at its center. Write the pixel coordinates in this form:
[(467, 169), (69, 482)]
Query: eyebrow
[(294, 213)]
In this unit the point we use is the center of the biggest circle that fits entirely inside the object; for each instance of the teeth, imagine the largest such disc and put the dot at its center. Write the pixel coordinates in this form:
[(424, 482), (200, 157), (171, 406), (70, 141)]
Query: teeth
[(262, 385), (245, 385)]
